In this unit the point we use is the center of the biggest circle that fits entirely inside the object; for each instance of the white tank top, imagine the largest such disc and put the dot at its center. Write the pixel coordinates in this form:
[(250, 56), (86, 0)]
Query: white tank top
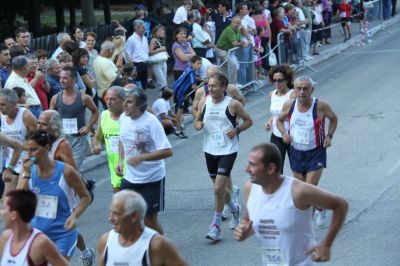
[(15, 131), (21, 258), (133, 255), (285, 232), (217, 120), (276, 108), (54, 147), (306, 130)]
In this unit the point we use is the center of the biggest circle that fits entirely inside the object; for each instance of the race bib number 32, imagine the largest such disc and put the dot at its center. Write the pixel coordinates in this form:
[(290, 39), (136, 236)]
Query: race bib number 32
[(47, 206)]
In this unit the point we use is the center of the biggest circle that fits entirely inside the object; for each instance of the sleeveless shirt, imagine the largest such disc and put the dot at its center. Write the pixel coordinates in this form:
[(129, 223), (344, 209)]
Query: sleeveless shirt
[(276, 108), (72, 113)]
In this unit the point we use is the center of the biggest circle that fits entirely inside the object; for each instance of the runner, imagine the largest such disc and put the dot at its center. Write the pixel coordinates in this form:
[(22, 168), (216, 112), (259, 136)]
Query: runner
[(130, 242), (218, 118), (55, 184), (278, 209), (20, 244), (143, 145), (108, 132), (282, 78), (15, 123), (61, 150), (306, 135)]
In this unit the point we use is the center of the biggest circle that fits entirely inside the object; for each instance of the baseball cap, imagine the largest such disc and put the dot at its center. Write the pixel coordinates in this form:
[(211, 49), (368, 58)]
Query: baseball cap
[(139, 6)]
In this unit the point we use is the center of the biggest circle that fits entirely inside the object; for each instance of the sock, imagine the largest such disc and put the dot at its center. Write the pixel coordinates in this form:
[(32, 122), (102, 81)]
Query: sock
[(217, 219), (233, 206)]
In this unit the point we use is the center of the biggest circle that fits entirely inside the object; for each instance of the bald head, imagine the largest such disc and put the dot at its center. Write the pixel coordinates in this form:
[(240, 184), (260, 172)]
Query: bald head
[(212, 70)]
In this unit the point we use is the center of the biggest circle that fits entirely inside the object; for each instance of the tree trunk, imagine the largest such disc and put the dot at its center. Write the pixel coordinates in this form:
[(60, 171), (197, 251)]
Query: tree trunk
[(72, 15), (34, 21), (60, 20), (88, 16), (107, 12)]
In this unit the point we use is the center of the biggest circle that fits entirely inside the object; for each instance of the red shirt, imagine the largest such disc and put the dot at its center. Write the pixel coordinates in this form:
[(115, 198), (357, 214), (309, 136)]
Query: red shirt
[(40, 92), (345, 7)]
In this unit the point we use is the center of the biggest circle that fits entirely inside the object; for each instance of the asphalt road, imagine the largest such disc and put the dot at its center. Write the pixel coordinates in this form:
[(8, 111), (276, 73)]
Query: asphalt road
[(362, 85)]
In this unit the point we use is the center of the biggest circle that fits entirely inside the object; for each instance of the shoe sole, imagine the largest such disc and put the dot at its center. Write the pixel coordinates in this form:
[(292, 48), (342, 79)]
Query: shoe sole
[(209, 237)]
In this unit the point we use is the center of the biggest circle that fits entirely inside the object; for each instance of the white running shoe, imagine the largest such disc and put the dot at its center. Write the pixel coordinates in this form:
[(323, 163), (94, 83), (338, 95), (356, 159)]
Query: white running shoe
[(320, 218), (235, 217), (88, 259), (214, 233), (226, 212)]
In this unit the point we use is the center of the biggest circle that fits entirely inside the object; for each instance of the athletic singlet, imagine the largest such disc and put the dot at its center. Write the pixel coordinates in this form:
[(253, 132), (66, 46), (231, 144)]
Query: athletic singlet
[(55, 202), (110, 129), (306, 130), (276, 108), (21, 258), (72, 115), (285, 232), (217, 120), (15, 131), (133, 255), (54, 147)]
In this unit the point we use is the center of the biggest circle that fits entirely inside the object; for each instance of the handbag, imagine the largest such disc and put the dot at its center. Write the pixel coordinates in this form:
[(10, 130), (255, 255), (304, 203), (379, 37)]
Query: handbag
[(272, 58), (158, 57)]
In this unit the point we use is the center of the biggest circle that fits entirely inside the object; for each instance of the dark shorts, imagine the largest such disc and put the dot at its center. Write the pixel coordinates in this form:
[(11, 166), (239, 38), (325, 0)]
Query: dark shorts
[(344, 21), (153, 193), (181, 99), (220, 164), (307, 161)]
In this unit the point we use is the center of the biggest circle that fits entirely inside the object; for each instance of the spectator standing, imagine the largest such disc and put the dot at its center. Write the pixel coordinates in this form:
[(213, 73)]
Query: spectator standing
[(345, 14), (201, 39), (182, 12), (90, 47), (326, 15), (138, 48), (157, 45), (37, 79), (318, 23), (5, 64), (77, 37), (162, 110), (305, 22), (62, 38), (65, 59), (53, 77), (22, 38), (222, 18), (120, 57), (80, 59), (9, 42), (182, 52), (261, 21)]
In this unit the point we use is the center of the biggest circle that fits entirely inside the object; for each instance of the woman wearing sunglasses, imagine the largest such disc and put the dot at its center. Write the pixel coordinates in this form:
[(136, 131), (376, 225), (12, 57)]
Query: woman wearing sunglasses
[(282, 77)]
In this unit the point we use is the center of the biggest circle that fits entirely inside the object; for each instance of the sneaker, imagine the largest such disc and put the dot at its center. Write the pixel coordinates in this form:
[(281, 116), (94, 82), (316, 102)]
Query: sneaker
[(234, 222), (226, 212), (90, 185), (150, 85), (180, 135), (214, 233), (320, 218), (88, 259), (235, 194)]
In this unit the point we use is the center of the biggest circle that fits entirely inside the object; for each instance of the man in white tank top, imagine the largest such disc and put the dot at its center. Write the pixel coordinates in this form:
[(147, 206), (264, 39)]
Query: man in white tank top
[(306, 135), (130, 242), (20, 244), (278, 209)]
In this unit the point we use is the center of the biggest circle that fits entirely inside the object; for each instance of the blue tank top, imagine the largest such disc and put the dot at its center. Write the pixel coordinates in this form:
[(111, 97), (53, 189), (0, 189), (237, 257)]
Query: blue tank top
[(55, 203)]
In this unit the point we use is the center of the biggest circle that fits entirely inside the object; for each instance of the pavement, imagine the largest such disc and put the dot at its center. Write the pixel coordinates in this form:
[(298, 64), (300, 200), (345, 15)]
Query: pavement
[(325, 52)]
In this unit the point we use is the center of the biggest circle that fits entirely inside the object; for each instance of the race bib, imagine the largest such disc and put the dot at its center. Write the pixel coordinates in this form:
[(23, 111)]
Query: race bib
[(342, 14), (273, 256), (114, 142), (70, 126), (47, 206), (301, 136), (217, 138)]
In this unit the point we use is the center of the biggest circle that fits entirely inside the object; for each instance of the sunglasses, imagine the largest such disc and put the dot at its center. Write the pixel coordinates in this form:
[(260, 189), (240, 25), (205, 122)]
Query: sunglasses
[(278, 80)]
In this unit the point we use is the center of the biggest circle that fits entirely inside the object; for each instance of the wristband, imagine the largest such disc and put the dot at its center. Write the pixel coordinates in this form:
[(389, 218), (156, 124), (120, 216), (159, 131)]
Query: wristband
[(238, 130), (25, 176), (329, 135)]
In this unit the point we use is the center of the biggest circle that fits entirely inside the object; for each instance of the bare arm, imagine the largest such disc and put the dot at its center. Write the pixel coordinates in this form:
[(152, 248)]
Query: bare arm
[(197, 97), (244, 229), (88, 102), (163, 252), (8, 173), (151, 156), (233, 92), (181, 55), (327, 111), (29, 121), (44, 250), (281, 119), (101, 246), (98, 139), (64, 153), (53, 102), (198, 122), (238, 110), (120, 167), (87, 81)]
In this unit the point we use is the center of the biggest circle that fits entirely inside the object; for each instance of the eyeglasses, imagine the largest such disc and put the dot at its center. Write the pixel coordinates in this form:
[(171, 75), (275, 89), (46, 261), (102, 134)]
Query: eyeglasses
[(278, 80)]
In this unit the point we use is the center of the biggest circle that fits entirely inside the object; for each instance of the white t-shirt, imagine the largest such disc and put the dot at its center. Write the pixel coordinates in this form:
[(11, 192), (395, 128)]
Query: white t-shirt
[(301, 15), (161, 106), (205, 63), (139, 136), (180, 15)]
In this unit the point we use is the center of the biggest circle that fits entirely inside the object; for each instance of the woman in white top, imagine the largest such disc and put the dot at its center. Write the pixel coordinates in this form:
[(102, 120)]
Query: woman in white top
[(282, 77)]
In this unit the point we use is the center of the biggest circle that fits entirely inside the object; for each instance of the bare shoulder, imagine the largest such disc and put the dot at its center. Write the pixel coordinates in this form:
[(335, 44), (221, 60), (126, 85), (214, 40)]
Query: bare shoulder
[(163, 252), (5, 235)]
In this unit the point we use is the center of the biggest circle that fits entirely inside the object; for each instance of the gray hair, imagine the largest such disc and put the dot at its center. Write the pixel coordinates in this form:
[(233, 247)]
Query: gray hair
[(140, 97), (196, 15), (213, 69), (11, 95), (137, 23), (55, 124), (51, 62), (107, 45), (60, 37), (133, 202), (119, 90), (19, 62), (306, 78)]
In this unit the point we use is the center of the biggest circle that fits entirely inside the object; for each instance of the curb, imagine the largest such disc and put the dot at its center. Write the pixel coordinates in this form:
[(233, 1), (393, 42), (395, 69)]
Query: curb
[(93, 161)]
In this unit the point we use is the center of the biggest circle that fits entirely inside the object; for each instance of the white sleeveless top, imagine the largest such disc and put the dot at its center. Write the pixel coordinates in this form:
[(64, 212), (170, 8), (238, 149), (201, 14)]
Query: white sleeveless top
[(21, 258), (217, 120), (285, 232), (276, 108), (54, 147), (306, 130), (15, 131), (133, 255)]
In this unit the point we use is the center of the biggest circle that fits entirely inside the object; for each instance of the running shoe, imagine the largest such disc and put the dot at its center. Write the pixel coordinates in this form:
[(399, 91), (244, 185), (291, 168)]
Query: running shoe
[(235, 216), (88, 258), (181, 135), (226, 212), (320, 218), (90, 185), (235, 194), (214, 233)]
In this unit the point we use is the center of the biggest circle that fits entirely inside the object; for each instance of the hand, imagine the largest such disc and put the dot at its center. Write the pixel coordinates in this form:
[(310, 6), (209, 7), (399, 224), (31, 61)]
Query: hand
[(8, 175), (134, 161), (198, 125), (242, 231), (319, 253), (268, 125), (286, 138), (327, 142), (96, 147), (84, 131), (39, 75), (119, 170), (230, 133), (162, 49), (27, 164), (70, 222)]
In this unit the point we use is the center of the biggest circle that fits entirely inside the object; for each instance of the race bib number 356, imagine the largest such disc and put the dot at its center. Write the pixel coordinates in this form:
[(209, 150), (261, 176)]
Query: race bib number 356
[(273, 257)]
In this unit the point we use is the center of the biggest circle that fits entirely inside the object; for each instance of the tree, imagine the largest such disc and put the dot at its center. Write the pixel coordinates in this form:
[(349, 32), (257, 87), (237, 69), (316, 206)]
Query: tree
[(88, 17)]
